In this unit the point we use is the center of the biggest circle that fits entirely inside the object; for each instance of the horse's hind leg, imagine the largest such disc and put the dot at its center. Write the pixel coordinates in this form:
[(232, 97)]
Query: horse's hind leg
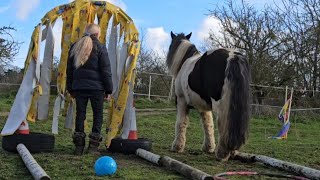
[(181, 126), (208, 128)]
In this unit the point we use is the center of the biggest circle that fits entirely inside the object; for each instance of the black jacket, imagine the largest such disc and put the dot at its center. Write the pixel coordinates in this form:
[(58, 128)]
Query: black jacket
[(95, 74)]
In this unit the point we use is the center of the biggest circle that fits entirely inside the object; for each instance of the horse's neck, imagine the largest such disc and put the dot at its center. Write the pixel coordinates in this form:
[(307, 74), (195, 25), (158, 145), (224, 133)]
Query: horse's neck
[(183, 53), (191, 52)]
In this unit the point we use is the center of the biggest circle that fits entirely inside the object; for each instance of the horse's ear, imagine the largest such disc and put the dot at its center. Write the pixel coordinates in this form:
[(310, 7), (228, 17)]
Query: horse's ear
[(189, 36), (173, 35)]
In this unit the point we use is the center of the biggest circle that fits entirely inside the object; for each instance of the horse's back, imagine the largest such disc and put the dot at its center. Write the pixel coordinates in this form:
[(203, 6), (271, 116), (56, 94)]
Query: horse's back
[(207, 77)]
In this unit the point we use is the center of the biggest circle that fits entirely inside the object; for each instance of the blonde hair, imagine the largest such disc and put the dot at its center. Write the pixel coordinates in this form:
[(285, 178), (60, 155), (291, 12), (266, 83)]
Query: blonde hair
[(83, 47)]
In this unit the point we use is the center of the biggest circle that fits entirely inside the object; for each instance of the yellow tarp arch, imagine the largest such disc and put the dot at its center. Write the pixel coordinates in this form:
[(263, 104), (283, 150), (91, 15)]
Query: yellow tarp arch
[(75, 17)]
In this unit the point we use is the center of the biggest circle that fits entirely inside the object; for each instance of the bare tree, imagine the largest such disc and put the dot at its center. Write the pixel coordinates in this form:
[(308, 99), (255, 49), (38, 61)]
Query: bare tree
[(8, 46), (150, 61), (258, 34), (303, 20)]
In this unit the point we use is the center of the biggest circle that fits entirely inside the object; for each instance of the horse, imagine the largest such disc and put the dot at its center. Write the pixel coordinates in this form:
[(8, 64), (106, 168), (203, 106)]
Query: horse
[(216, 81)]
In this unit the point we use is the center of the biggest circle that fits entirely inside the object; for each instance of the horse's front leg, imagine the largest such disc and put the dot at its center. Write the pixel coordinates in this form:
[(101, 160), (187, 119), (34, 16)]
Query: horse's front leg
[(181, 125), (208, 128)]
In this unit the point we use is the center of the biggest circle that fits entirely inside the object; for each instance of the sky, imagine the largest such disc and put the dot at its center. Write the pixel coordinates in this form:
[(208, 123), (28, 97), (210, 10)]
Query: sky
[(156, 19)]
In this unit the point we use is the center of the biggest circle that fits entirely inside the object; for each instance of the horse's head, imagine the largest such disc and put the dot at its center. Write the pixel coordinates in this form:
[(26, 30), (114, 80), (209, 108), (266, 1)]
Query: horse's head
[(176, 40), (181, 35)]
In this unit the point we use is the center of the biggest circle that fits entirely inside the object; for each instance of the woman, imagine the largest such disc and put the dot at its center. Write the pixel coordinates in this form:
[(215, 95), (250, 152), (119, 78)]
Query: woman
[(89, 77)]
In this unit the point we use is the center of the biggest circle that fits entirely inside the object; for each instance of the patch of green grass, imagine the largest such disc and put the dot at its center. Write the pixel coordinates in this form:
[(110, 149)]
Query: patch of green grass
[(302, 147), (144, 103), (6, 101)]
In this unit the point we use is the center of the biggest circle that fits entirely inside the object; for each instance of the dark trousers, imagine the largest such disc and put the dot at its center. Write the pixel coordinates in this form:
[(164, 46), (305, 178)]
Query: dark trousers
[(96, 99)]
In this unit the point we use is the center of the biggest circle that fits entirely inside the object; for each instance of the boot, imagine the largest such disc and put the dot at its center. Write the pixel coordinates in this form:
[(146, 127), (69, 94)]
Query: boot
[(79, 141), (94, 142)]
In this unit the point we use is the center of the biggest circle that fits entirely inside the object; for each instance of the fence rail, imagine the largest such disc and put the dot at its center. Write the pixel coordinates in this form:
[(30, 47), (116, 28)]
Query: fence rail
[(154, 85)]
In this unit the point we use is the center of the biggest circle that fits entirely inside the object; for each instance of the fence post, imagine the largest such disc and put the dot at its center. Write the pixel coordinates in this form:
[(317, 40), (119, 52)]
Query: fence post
[(286, 95), (171, 90), (149, 95), (313, 92)]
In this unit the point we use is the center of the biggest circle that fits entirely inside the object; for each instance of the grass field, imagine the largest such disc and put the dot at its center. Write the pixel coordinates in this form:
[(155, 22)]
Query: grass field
[(302, 147)]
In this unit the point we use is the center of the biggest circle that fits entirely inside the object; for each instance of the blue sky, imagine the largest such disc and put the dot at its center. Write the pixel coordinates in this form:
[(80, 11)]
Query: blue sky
[(156, 18)]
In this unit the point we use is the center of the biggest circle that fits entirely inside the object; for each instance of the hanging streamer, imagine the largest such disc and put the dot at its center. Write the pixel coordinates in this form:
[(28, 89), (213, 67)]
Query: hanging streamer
[(56, 112), (22, 102), (284, 118), (119, 106), (123, 56), (112, 53), (103, 19), (32, 114), (129, 114), (69, 124), (45, 79), (67, 18)]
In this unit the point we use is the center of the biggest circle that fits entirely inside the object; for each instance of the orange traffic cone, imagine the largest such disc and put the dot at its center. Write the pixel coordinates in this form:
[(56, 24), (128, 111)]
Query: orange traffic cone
[(133, 135), (129, 129), (24, 128)]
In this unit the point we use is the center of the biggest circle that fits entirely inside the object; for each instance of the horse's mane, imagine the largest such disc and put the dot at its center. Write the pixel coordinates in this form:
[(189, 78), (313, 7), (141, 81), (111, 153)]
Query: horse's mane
[(190, 50)]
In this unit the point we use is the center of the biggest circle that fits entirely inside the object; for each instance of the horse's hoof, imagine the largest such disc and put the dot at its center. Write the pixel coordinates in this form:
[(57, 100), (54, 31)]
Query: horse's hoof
[(179, 148), (208, 148), (223, 158), (222, 155), (233, 154)]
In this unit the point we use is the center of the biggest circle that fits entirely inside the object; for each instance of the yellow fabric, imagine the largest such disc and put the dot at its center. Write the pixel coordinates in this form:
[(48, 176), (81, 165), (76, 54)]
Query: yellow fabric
[(84, 14), (76, 16), (33, 49), (51, 16), (112, 8), (76, 30), (32, 114), (119, 107), (91, 14), (67, 18), (111, 103), (103, 18)]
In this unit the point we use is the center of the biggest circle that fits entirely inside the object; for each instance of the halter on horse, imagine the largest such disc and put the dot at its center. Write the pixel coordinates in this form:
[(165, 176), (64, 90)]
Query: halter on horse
[(216, 81)]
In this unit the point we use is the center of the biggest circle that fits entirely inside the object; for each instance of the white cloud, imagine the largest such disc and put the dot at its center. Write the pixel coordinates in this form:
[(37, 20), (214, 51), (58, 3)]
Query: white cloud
[(118, 3), (209, 25), (157, 39), (24, 7), (4, 8)]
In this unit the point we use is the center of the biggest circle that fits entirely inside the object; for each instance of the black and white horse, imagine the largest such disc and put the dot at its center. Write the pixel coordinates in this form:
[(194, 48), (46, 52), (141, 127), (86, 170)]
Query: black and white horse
[(216, 81)]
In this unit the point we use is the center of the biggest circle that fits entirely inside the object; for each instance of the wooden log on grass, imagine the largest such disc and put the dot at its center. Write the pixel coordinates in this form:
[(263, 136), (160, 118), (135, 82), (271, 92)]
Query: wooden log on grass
[(283, 165), (173, 164), (185, 169), (149, 156), (35, 169)]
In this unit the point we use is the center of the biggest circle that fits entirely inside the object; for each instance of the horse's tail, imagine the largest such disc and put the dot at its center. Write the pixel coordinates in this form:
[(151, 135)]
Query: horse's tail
[(237, 88)]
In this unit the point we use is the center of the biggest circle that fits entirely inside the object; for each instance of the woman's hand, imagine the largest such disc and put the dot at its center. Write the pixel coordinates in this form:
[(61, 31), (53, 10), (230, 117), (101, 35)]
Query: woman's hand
[(72, 94), (108, 97)]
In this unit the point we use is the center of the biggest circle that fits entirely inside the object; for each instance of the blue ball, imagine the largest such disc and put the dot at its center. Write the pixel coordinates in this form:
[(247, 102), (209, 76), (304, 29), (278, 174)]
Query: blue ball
[(105, 165)]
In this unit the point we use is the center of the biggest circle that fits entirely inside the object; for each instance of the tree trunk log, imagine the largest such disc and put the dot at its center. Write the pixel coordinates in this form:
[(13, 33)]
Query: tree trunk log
[(283, 165), (35, 169), (173, 164)]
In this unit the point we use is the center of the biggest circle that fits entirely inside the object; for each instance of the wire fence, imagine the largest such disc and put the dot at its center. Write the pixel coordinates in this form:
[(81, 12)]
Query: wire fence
[(266, 100)]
